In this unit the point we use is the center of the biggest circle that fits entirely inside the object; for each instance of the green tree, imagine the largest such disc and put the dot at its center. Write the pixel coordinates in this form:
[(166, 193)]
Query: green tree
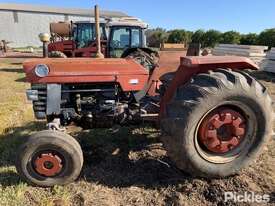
[(249, 39), (155, 37), (211, 38), (267, 37), (230, 37), (198, 36), (179, 36)]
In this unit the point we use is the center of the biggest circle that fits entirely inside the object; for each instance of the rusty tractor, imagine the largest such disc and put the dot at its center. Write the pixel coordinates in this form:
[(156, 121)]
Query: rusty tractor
[(119, 38), (213, 116)]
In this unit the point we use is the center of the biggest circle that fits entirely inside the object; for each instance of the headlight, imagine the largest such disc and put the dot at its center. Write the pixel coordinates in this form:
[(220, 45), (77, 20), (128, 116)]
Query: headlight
[(41, 70)]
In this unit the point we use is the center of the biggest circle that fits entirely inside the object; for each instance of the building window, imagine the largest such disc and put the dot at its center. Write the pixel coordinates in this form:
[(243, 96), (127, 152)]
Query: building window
[(66, 17), (15, 17)]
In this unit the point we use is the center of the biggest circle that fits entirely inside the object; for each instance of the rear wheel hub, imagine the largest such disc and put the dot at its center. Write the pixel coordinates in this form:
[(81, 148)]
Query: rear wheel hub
[(48, 165), (222, 130)]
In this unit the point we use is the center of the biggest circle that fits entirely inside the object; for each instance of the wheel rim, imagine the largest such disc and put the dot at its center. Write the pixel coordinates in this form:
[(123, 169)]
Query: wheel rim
[(231, 148), (222, 130), (48, 164)]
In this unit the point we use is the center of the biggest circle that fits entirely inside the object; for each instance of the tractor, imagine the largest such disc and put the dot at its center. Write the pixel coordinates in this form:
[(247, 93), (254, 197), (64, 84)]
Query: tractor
[(120, 38), (74, 39), (213, 116)]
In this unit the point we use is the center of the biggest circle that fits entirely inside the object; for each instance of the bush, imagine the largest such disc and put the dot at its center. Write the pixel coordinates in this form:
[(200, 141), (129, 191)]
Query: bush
[(211, 38), (179, 36), (197, 36), (231, 37), (155, 37), (267, 37), (249, 39)]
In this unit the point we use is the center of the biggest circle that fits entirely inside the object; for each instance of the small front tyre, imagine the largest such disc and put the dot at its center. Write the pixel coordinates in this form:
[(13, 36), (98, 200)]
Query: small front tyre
[(49, 158)]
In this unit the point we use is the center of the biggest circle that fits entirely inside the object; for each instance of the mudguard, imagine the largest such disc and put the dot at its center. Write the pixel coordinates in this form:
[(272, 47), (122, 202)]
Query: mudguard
[(190, 66)]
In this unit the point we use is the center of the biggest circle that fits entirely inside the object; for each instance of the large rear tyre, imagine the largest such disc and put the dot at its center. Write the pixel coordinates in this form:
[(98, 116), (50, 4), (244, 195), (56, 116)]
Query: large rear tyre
[(148, 61), (49, 158), (216, 124)]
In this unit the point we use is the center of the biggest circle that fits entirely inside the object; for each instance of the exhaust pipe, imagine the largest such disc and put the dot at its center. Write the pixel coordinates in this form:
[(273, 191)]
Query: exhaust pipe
[(98, 35)]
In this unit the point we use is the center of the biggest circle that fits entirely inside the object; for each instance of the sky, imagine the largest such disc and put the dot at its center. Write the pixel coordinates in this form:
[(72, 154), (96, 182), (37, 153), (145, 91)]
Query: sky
[(244, 16)]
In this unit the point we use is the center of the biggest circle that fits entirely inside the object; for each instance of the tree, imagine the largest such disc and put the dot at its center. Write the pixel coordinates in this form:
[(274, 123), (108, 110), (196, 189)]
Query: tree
[(197, 36), (267, 37), (179, 36), (211, 38), (249, 39), (155, 37), (231, 37)]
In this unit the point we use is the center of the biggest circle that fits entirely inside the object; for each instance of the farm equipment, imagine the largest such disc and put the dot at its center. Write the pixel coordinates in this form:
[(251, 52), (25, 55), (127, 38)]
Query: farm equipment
[(3, 47), (213, 116), (74, 39), (122, 37), (119, 38), (125, 38)]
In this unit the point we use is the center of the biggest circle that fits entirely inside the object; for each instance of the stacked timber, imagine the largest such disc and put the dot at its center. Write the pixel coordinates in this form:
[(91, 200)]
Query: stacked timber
[(269, 63), (255, 53)]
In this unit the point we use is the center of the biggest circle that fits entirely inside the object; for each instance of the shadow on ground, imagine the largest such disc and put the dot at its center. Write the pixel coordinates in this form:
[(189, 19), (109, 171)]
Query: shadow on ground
[(131, 156), (10, 141), (114, 159), (122, 158), (13, 70)]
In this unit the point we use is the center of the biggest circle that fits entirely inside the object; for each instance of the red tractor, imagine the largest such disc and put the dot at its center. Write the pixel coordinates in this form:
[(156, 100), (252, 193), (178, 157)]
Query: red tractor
[(75, 39), (214, 117), (120, 38)]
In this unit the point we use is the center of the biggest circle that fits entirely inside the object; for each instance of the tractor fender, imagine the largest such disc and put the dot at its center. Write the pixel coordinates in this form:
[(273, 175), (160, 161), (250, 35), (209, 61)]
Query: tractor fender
[(191, 66), (144, 49)]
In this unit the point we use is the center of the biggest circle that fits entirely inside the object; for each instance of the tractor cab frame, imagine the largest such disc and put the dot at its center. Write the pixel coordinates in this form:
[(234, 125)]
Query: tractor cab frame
[(119, 37)]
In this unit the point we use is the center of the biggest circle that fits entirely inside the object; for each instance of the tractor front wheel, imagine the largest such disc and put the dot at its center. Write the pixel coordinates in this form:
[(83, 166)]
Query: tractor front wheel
[(49, 158), (216, 124)]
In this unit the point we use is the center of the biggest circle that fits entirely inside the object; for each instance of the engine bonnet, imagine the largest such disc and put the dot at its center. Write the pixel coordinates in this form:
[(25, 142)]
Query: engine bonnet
[(129, 74)]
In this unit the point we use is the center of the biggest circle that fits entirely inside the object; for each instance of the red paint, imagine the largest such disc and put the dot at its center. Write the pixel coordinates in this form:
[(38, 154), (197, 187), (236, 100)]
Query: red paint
[(190, 66), (62, 46), (89, 70), (41, 165), (69, 48), (222, 130)]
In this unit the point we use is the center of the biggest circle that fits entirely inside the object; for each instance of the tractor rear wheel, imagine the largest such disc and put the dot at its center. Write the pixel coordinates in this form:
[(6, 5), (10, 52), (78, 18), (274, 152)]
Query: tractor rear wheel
[(57, 54), (216, 124), (49, 158), (148, 61)]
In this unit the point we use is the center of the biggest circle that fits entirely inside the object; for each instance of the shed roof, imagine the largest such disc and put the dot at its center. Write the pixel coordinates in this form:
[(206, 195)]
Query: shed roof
[(58, 10)]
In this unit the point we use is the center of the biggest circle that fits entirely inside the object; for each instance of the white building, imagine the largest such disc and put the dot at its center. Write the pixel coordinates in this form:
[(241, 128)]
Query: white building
[(21, 23)]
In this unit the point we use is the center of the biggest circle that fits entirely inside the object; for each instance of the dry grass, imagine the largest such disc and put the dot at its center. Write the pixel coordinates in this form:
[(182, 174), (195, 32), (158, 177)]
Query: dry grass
[(129, 167)]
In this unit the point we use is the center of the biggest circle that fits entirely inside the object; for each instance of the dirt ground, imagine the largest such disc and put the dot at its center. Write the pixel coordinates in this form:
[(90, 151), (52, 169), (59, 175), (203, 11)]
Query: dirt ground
[(129, 167)]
